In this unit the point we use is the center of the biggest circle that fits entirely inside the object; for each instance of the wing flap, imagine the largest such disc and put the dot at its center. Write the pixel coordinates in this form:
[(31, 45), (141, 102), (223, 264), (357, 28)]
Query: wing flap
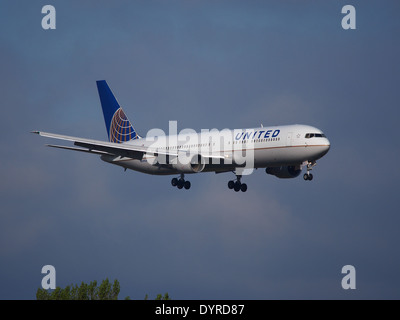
[(122, 152), (78, 149)]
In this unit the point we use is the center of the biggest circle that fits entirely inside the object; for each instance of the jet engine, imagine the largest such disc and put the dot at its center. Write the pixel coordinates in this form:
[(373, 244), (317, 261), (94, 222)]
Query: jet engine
[(188, 164), (284, 172)]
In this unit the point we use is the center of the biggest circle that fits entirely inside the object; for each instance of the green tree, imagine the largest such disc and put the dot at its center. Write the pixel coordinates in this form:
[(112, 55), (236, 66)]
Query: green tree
[(42, 294), (116, 288), (166, 296), (56, 294), (82, 292), (65, 294), (105, 290), (91, 291), (161, 297)]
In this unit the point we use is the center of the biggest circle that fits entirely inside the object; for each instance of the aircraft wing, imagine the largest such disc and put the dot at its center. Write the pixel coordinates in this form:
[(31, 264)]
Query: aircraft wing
[(111, 148), (99, 147)]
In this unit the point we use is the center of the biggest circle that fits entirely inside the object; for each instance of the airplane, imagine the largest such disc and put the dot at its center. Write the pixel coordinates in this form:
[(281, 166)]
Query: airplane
[(282, 150)]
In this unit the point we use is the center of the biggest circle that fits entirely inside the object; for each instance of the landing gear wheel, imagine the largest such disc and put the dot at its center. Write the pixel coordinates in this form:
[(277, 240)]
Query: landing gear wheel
[(308, 176), (187, 185), (180, 184), (237, 186)]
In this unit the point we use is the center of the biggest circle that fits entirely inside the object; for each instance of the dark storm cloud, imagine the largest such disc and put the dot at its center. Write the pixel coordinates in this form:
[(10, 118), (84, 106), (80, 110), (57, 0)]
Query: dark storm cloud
[(206, 65)]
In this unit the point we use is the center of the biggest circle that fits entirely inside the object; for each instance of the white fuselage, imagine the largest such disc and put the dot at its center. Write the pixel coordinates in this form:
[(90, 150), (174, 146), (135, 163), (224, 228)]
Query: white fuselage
[(289, 145)]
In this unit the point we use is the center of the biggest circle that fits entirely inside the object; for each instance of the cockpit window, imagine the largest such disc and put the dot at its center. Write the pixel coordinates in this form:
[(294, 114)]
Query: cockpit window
[(316, 135)]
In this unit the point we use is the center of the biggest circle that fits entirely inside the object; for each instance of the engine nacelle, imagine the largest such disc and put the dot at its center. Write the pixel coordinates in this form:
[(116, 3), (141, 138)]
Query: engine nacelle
[(284, 172), (188, 164)]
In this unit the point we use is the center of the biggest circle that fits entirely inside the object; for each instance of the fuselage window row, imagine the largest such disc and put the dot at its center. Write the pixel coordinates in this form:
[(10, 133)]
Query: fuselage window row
[(234, 142)]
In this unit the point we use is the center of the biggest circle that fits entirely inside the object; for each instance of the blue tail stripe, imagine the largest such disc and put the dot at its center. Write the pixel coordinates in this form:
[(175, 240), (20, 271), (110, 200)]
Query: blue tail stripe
[(108, 102)]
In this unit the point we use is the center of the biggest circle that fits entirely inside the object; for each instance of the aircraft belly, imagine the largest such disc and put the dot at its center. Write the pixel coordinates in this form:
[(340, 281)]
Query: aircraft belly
[(281, 156), (288, 155), (261, 158)]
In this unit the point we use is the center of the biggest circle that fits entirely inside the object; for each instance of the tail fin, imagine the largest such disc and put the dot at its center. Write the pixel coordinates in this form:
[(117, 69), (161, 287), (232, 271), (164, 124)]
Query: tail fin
[(119, 128)]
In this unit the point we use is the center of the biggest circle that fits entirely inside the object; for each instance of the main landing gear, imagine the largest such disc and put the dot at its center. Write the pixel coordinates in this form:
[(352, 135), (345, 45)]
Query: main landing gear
[(308, 176), (181, 182), (237, 185)]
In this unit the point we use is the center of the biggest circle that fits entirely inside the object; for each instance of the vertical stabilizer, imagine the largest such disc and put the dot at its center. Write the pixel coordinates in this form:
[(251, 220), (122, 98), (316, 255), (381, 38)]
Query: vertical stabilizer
[(119, 128)]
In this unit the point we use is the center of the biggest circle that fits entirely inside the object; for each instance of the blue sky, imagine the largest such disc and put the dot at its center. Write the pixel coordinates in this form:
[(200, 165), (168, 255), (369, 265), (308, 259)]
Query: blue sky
[(205, 64)]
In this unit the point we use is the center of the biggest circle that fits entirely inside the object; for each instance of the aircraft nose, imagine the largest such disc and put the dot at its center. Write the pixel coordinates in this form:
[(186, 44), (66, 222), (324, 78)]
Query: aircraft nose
[(327, 146)]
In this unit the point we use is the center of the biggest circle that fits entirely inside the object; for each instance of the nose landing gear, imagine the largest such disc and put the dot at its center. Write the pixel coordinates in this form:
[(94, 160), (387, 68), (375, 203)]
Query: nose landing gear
[(237, 185), (308, 176)]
